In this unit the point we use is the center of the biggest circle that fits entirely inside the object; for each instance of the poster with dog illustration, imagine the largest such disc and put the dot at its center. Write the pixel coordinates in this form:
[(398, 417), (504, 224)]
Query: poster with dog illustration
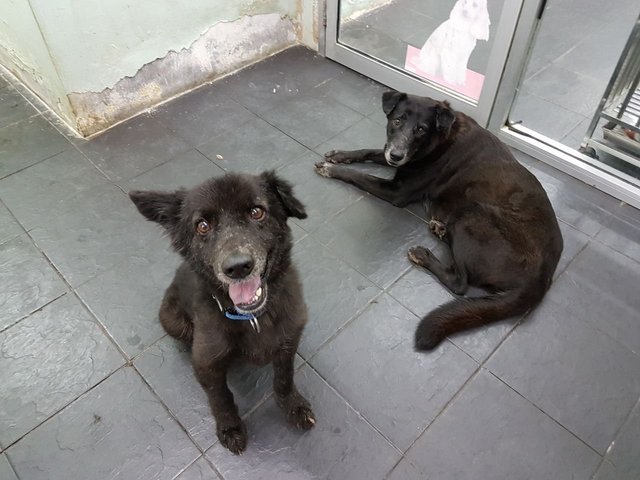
[(444, 56)]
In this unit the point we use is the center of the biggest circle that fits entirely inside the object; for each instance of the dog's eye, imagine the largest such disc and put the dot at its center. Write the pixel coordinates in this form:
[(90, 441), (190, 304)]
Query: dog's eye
[(420, 130), (203, 227), (396, 122), (257, 213)]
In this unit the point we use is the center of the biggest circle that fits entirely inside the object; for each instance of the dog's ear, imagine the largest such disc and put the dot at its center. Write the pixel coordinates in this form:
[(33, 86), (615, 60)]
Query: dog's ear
[(390, 101), (284, 191), (160, 207), (445, 117)]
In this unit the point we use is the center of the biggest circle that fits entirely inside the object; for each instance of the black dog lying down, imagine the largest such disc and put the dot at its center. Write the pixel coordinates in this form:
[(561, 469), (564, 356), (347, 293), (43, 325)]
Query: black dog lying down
[(236, 296), (490, 210)]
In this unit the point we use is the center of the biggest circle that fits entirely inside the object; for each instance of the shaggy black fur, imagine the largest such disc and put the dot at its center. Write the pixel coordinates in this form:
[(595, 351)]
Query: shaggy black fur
[(232, 230), (490, 210)]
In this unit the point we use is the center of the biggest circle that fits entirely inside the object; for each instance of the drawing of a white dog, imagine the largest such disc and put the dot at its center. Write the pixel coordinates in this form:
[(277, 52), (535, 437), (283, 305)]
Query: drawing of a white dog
[(447, 50)]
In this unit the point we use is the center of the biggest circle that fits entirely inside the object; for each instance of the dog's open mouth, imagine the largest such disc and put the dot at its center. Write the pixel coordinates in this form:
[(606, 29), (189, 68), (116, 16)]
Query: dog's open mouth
[(249, 295)]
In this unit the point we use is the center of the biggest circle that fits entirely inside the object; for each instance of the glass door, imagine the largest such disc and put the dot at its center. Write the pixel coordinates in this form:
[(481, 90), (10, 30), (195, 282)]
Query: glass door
[(451, 50)]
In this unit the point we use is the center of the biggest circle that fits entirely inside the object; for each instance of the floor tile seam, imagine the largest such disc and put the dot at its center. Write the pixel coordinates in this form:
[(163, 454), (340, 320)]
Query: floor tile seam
[(327, 220), (588, 324), (13, 469), (17, 222), (262, 117), (406, 459), (357, 412), (346, 324), (207, 461), (168, 410), (120, 183), (541, 410), (103, 328), (607, 453), (226, 130), (329, 249), (24, 317), (555, 103), (571, 261), (90, 160), (444, 408), (364, 117), (65, 406), (42, 253), (15, 122), (32, 165), (635, 261)]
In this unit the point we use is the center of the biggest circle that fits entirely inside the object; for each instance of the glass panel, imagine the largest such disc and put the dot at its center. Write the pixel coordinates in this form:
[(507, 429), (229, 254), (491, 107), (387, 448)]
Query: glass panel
[(573, 58), (445, 42)]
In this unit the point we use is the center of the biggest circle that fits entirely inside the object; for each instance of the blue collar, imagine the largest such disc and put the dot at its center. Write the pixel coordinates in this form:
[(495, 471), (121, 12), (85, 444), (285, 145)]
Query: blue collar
[(232, 314)]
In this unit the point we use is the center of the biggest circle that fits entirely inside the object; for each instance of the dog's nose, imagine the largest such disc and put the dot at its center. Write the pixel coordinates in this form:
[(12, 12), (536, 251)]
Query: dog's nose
[(238, 265), (395, 156)]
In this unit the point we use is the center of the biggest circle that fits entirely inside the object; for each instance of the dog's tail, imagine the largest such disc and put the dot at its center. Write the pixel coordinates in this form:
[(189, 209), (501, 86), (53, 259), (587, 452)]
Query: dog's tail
[(466, 313)]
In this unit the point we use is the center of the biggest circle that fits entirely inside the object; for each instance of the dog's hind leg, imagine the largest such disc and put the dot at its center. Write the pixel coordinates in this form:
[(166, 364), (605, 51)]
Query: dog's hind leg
[(292, 403), (452, 277), (175, 321), (356, 156)]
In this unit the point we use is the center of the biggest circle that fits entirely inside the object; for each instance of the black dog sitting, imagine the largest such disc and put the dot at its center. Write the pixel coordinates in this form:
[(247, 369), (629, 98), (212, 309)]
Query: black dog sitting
[(491, 211), (237, 295)]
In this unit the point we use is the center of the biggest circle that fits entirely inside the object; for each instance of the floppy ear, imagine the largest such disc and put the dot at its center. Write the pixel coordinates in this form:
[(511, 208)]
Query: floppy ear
[(160, 207), (445, 117), (284, 191), (390, 101)]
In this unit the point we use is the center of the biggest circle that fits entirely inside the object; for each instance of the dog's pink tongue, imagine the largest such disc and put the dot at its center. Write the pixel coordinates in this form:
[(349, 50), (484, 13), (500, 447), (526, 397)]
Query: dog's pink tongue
[(243, 292)]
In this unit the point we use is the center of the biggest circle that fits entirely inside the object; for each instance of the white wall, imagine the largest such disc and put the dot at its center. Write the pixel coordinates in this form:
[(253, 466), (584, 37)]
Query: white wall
[(101, 61)]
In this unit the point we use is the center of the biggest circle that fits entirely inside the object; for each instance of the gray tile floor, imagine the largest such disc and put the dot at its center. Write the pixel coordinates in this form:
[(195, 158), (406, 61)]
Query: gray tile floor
[(92, 388)]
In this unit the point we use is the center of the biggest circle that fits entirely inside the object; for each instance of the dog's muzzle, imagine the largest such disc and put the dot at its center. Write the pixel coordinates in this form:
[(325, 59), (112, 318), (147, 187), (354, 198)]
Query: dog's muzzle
[(394, 157)]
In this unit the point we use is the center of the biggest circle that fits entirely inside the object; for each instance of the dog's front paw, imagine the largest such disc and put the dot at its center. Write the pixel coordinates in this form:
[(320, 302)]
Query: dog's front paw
[(233, 438), (298, 411), (337, 156), (324, 169), (301, 417), (419, 256)]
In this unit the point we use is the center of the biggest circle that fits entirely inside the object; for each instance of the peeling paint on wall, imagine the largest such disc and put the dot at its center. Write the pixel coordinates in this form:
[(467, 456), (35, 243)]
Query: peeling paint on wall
[(223, 48)]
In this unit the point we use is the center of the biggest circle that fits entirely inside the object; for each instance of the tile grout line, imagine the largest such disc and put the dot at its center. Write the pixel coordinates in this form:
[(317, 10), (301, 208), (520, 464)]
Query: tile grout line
[(168, 410), (66, 405), (544, 413), (70, 289), (357, 412), (615, 437), (32, 165)]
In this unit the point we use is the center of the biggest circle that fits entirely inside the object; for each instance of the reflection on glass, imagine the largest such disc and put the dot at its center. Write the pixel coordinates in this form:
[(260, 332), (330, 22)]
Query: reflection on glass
[(444, 41)]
